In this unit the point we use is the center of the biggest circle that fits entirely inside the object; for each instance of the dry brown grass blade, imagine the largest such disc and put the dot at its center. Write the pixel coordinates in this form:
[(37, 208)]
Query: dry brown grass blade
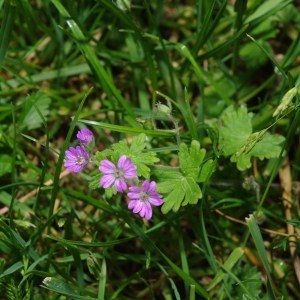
[(272, 232), (33, 192), (286, 185)]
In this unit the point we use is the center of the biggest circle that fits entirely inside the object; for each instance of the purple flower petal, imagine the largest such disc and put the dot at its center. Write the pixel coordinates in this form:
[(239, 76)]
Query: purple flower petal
[(107, 167), (120, 185), (131, 204), (128, 168), (71, 153), (138, 206), (134, 189), (70, 166), (146, 211), (145, 186), (155, 201), (121, 162), (130, 172), (134, 196), (107, 181), (152, 186)]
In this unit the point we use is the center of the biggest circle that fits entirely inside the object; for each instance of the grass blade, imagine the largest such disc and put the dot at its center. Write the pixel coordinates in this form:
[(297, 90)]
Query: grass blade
[(102, 280), (6, 28), (259, 244)]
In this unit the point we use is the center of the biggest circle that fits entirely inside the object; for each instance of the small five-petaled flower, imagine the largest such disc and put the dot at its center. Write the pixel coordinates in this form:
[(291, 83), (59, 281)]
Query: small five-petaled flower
[(117, 175), (143, 198), (77, 159)]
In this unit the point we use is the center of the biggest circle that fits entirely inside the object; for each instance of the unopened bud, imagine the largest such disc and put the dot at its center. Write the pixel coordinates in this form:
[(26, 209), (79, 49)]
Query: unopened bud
[(164, 109)]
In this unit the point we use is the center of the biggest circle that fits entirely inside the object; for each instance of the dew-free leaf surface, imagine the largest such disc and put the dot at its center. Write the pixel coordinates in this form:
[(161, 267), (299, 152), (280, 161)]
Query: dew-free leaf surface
[(182, 187), (237, 140)]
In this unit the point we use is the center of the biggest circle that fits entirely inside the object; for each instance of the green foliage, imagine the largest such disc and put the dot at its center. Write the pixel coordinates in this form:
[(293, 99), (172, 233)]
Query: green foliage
[(5, 164), (35, 110), (267, 8), (11, 291), (258, 241), (236, 138), (6, 28), (233, 258), (253, 56), (181, 187), (239, 279), (178, 190), (251, 280), (107, 65), (61, 287)]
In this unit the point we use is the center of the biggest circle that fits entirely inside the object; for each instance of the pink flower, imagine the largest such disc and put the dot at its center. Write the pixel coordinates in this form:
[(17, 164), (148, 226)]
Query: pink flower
[(77, 159), (141, 199), (117, 175), (85, 136)]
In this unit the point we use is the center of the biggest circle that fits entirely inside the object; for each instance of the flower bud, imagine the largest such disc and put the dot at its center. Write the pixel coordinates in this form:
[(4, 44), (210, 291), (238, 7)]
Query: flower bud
[(164, 109)]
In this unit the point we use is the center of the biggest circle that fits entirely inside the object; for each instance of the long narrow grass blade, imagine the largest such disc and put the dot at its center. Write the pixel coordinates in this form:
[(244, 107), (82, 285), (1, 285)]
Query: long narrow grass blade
[(208, 27), (173, 284), (15, 267), (6, 28), (49, 75), (233, 258), (278, 66), (266, 9), (69, 243), (102, 280), (241, 9), (259, 244), (125, 129)]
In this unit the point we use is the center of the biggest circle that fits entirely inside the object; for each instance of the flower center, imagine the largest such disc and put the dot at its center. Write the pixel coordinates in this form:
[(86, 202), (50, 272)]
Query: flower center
[(144, 196), (80, 160), (119, 173)]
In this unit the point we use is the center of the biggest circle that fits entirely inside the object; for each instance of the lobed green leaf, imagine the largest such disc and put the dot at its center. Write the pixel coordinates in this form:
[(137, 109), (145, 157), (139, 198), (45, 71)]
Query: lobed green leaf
[(190, 159), (181, 187), (236, 138), (234, 129)]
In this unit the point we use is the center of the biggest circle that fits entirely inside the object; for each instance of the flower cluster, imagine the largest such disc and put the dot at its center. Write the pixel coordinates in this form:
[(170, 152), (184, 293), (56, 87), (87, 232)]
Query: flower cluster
[(122, 176), (78, 157)]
